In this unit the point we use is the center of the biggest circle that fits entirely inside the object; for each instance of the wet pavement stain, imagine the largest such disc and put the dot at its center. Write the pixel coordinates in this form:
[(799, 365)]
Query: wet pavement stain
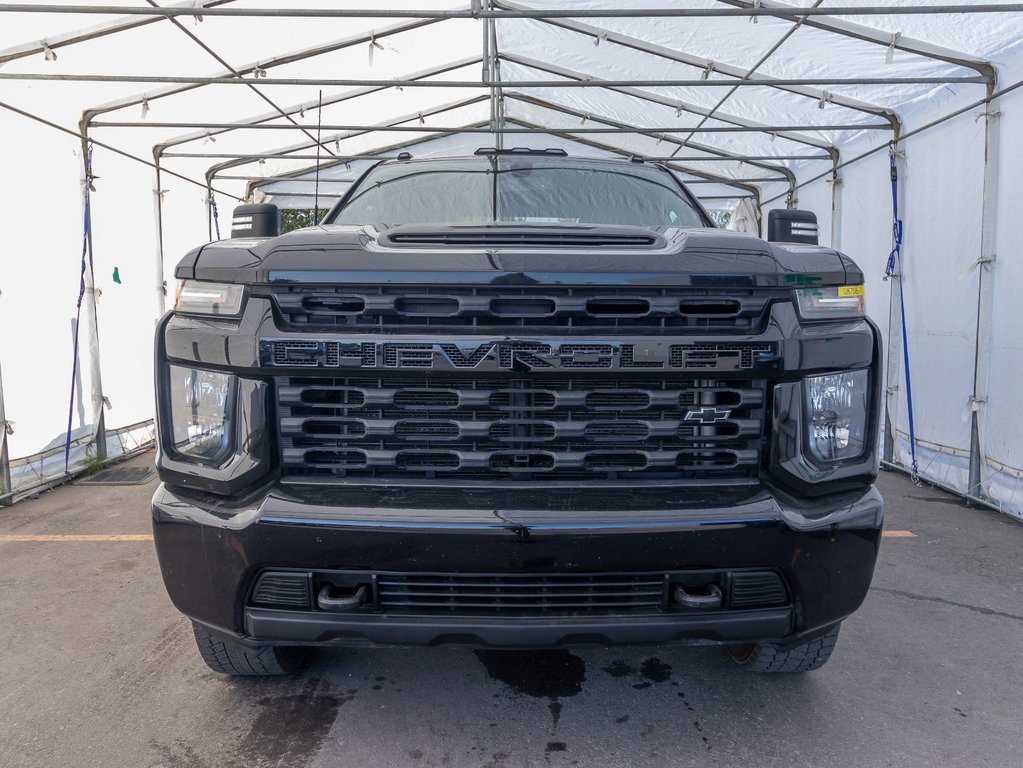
[(498, 760), (696, 723), (655, 670), (288, 730), (553, 674), (619, 668), (541, 674), (555, 707)]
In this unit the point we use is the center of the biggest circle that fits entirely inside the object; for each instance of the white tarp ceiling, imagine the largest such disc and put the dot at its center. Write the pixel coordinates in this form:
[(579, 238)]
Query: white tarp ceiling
[(747, 107)]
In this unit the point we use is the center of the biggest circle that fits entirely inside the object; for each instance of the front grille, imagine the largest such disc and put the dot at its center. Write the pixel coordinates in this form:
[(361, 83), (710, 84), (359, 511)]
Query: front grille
[(644, 310), (496, 427), (287, 589), (757, 589), (511, 594), (521, 594)]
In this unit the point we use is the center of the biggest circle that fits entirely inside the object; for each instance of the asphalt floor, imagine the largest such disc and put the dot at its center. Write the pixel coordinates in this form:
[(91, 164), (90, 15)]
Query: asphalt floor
[(100, 670)]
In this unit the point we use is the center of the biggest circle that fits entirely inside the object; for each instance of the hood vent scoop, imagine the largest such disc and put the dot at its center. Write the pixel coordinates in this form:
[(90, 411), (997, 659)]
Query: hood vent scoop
[(511, 237)]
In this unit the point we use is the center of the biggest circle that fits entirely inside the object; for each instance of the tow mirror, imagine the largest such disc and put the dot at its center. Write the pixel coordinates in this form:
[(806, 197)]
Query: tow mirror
[(792, 226), (260, 220)]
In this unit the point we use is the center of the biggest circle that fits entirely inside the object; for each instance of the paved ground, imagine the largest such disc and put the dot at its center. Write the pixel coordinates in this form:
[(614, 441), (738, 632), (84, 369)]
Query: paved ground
[(99, 670)]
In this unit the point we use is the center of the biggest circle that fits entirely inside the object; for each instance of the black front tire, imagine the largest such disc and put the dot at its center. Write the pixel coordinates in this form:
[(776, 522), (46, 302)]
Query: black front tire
[(765, 657), (230, 659)]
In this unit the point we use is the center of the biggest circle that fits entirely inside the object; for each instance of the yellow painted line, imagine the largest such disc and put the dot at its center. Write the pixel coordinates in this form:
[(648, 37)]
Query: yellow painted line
[(78, 537), (898, 534)]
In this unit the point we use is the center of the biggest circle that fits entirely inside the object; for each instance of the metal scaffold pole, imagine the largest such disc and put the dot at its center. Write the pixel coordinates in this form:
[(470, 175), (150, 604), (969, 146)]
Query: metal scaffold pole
[(986, 266), (91, 316), (510, 11), (161, 284), (893, 364), (836, 204), (6, 489)]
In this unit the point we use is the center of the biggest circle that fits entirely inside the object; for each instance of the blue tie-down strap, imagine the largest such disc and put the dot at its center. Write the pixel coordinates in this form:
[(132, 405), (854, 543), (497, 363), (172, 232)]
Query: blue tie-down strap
[(895, 266)]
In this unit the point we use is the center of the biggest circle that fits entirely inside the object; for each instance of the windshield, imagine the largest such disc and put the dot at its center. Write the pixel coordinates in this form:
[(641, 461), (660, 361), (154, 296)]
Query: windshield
[(534, 190)]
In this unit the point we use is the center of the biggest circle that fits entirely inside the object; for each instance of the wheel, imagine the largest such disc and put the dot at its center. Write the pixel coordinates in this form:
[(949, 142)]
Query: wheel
[(234, 660), (765, 657)]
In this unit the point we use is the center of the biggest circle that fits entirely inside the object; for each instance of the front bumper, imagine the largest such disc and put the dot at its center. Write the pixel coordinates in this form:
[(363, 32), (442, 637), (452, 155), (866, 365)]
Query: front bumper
[(212, 550)]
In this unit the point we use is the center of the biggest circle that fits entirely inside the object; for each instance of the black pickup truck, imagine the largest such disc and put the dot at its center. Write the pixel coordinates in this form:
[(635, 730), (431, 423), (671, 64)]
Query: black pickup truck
[(517, 400)]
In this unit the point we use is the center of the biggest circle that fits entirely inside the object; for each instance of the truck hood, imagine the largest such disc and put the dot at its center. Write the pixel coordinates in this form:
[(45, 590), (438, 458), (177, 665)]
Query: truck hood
[(523, 254)]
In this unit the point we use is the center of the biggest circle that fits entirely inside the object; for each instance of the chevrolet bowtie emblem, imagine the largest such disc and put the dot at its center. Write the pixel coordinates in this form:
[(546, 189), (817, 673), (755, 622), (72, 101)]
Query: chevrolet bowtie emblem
[(708, 414)]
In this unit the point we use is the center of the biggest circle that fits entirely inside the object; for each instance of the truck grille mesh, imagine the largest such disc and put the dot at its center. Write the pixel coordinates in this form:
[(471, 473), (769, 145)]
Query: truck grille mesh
[(496, 427), (647, 310), (524, 593)]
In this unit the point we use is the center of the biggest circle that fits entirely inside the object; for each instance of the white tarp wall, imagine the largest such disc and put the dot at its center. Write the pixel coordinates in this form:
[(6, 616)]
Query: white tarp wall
[(1001, 418), (964, 335), (942, 199)]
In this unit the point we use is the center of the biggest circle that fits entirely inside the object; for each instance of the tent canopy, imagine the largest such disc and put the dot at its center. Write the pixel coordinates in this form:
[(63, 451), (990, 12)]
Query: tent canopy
[(192, 106)]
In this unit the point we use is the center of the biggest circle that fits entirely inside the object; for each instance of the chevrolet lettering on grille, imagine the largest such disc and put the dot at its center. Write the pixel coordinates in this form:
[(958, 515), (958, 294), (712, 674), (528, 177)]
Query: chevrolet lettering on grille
[(515, 355)]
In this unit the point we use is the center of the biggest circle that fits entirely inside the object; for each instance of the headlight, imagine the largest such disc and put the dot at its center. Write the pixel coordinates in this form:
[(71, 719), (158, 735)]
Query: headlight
[(836, 301), (200, 413), (838, 414), (197, 297)]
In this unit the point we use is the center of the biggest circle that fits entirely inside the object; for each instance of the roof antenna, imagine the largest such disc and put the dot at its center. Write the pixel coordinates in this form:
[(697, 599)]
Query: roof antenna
[(319, 148)]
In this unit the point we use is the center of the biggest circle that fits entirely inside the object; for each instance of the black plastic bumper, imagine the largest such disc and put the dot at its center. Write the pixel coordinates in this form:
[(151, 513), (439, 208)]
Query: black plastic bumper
[(210, 554), (314, 628)]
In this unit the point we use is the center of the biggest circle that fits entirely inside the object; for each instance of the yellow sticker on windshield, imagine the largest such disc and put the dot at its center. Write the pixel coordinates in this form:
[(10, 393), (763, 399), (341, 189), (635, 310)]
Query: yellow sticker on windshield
[(850, 290)]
